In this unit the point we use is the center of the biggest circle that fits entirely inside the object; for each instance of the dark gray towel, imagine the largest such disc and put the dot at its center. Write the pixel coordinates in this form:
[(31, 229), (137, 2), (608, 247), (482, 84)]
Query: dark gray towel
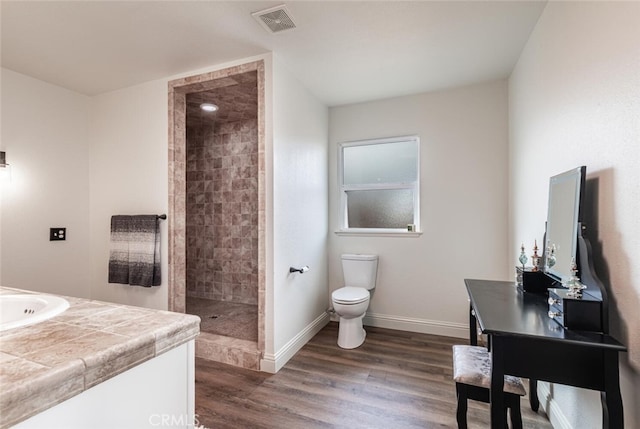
[(134, 257)]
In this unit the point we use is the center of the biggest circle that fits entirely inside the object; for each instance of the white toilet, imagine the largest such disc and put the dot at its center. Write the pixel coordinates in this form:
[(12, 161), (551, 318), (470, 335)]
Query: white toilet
[(351, 301)]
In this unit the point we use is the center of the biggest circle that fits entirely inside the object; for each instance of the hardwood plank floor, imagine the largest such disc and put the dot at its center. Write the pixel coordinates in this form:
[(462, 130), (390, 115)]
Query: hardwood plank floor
[(395, 380)]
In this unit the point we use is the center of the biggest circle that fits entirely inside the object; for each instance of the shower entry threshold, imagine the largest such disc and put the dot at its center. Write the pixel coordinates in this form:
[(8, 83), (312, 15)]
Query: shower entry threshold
[(232, 351)]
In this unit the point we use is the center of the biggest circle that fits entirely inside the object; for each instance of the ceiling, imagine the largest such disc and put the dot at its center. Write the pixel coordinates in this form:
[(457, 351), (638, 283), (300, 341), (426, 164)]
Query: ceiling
[(342, 51), (237, 100)]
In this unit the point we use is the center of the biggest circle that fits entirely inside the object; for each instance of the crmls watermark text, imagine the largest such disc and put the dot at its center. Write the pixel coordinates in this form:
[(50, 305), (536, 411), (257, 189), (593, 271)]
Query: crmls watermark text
[(174, 420)]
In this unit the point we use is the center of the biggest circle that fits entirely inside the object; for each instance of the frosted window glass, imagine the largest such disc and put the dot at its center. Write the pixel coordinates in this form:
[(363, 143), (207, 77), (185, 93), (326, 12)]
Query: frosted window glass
[(380, 163), (384, 208)]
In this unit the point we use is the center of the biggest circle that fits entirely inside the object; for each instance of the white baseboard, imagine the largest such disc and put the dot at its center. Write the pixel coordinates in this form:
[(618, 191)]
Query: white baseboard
[(551, 407), (273, 362), (425, 326)]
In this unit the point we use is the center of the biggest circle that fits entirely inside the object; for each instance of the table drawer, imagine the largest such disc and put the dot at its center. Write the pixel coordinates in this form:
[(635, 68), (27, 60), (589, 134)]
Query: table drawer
[(583, 314)]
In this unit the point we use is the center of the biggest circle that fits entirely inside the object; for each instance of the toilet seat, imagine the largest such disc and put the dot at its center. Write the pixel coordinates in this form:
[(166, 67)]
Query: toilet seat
[(350, 295)]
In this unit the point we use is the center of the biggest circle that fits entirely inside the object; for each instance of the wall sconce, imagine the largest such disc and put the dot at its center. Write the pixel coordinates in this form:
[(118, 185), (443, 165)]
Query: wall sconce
[(5, 168)]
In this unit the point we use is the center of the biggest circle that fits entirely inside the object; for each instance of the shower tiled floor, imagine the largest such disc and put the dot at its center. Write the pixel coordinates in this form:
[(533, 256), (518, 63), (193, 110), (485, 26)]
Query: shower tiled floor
[(225, 318)]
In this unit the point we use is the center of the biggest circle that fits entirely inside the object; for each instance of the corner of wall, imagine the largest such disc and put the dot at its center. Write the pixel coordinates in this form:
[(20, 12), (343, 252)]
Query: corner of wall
[(272, 363)]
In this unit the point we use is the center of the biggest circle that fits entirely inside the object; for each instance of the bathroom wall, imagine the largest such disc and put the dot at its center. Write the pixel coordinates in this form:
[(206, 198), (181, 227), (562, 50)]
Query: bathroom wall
[(128, 175), (296, 303), (222, 210), (574, 99), (44, 132), (463, 205)]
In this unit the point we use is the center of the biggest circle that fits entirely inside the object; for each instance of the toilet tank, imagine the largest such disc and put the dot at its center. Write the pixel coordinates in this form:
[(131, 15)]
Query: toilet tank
[(360, 270)]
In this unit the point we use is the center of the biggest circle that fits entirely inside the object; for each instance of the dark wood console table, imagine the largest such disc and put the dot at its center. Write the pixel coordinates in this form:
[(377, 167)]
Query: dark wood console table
[(525, 342)]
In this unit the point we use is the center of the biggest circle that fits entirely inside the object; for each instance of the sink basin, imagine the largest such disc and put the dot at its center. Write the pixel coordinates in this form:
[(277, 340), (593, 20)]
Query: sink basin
[(27, 309)]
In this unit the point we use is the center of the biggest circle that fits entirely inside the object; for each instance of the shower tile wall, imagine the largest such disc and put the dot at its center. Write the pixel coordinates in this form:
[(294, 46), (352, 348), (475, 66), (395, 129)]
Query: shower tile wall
[(222, 211)]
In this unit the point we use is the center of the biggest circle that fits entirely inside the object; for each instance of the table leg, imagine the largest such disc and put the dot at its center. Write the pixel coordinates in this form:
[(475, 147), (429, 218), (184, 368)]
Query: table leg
[(473, 331), (498, 410), (612, 412), (533, 395)]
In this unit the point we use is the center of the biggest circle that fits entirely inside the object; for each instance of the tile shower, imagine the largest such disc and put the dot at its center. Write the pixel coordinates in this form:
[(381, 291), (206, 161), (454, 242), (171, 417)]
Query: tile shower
[(222, 209), (239, 91)]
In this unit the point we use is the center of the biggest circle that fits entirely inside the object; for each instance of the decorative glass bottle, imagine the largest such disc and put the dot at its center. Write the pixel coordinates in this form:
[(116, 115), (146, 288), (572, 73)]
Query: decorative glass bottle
[(535, 258), (573, 284), (523, 257), (551, 254)]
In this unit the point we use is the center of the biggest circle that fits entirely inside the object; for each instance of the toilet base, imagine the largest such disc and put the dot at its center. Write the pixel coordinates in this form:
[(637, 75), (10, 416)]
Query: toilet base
[(351, 334)]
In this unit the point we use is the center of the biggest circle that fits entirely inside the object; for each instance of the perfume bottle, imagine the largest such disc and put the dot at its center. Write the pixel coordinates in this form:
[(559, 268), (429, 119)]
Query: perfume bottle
[(523, 257), (573, 284), (535, 258), (551, 254)]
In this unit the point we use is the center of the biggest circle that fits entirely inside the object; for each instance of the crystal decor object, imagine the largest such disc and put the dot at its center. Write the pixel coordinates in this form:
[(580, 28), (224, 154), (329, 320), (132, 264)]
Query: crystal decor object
[(551, 254), (523, 257), (535, 258), (573, 284)]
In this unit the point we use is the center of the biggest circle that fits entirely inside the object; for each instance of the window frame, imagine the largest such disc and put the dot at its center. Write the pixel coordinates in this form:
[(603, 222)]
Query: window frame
[(414, 186)]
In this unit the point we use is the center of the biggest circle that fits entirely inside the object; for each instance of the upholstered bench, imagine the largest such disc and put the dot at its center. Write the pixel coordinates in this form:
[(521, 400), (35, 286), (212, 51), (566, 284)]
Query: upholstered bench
[(472, 374)]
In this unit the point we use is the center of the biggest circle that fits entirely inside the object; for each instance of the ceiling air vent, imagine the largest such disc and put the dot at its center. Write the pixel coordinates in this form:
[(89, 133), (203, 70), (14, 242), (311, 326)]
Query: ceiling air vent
[(275, 19)]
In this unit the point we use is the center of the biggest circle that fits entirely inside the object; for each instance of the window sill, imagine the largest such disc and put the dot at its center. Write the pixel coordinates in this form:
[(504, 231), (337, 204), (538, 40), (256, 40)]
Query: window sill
[(382, 233)]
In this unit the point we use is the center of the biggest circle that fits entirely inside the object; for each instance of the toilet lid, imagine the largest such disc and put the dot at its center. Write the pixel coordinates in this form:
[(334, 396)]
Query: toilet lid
[(350, 295)]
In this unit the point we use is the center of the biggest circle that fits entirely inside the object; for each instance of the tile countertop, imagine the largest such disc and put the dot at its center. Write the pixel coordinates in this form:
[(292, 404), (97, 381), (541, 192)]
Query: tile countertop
[(47, 363)]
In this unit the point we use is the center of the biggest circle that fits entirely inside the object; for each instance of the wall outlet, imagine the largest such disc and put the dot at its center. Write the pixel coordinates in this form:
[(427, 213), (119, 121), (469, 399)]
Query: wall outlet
[(57, 234)]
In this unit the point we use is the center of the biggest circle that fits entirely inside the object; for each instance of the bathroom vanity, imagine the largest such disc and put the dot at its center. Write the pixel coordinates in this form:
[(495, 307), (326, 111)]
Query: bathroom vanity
[(99, 365), (551, 325)]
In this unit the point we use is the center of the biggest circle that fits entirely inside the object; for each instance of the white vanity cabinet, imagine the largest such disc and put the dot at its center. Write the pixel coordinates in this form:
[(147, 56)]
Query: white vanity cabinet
[(99, 365)]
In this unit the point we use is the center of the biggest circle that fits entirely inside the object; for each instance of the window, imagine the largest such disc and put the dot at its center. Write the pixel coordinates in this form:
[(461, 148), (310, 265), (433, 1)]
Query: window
[(380, 184)]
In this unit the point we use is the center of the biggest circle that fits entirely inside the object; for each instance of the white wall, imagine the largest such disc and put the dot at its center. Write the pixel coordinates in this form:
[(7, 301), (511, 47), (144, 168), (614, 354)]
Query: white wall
[(574, 99), (129, 175), (44, 132), (463, 205), (300, 127), (76, 161)]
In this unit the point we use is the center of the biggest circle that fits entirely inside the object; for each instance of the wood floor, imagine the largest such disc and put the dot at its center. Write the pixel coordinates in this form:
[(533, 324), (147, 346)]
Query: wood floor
[(395, 380)]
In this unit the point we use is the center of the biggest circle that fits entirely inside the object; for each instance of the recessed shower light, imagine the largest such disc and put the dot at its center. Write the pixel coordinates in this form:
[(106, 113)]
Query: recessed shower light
[(208, 107)]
